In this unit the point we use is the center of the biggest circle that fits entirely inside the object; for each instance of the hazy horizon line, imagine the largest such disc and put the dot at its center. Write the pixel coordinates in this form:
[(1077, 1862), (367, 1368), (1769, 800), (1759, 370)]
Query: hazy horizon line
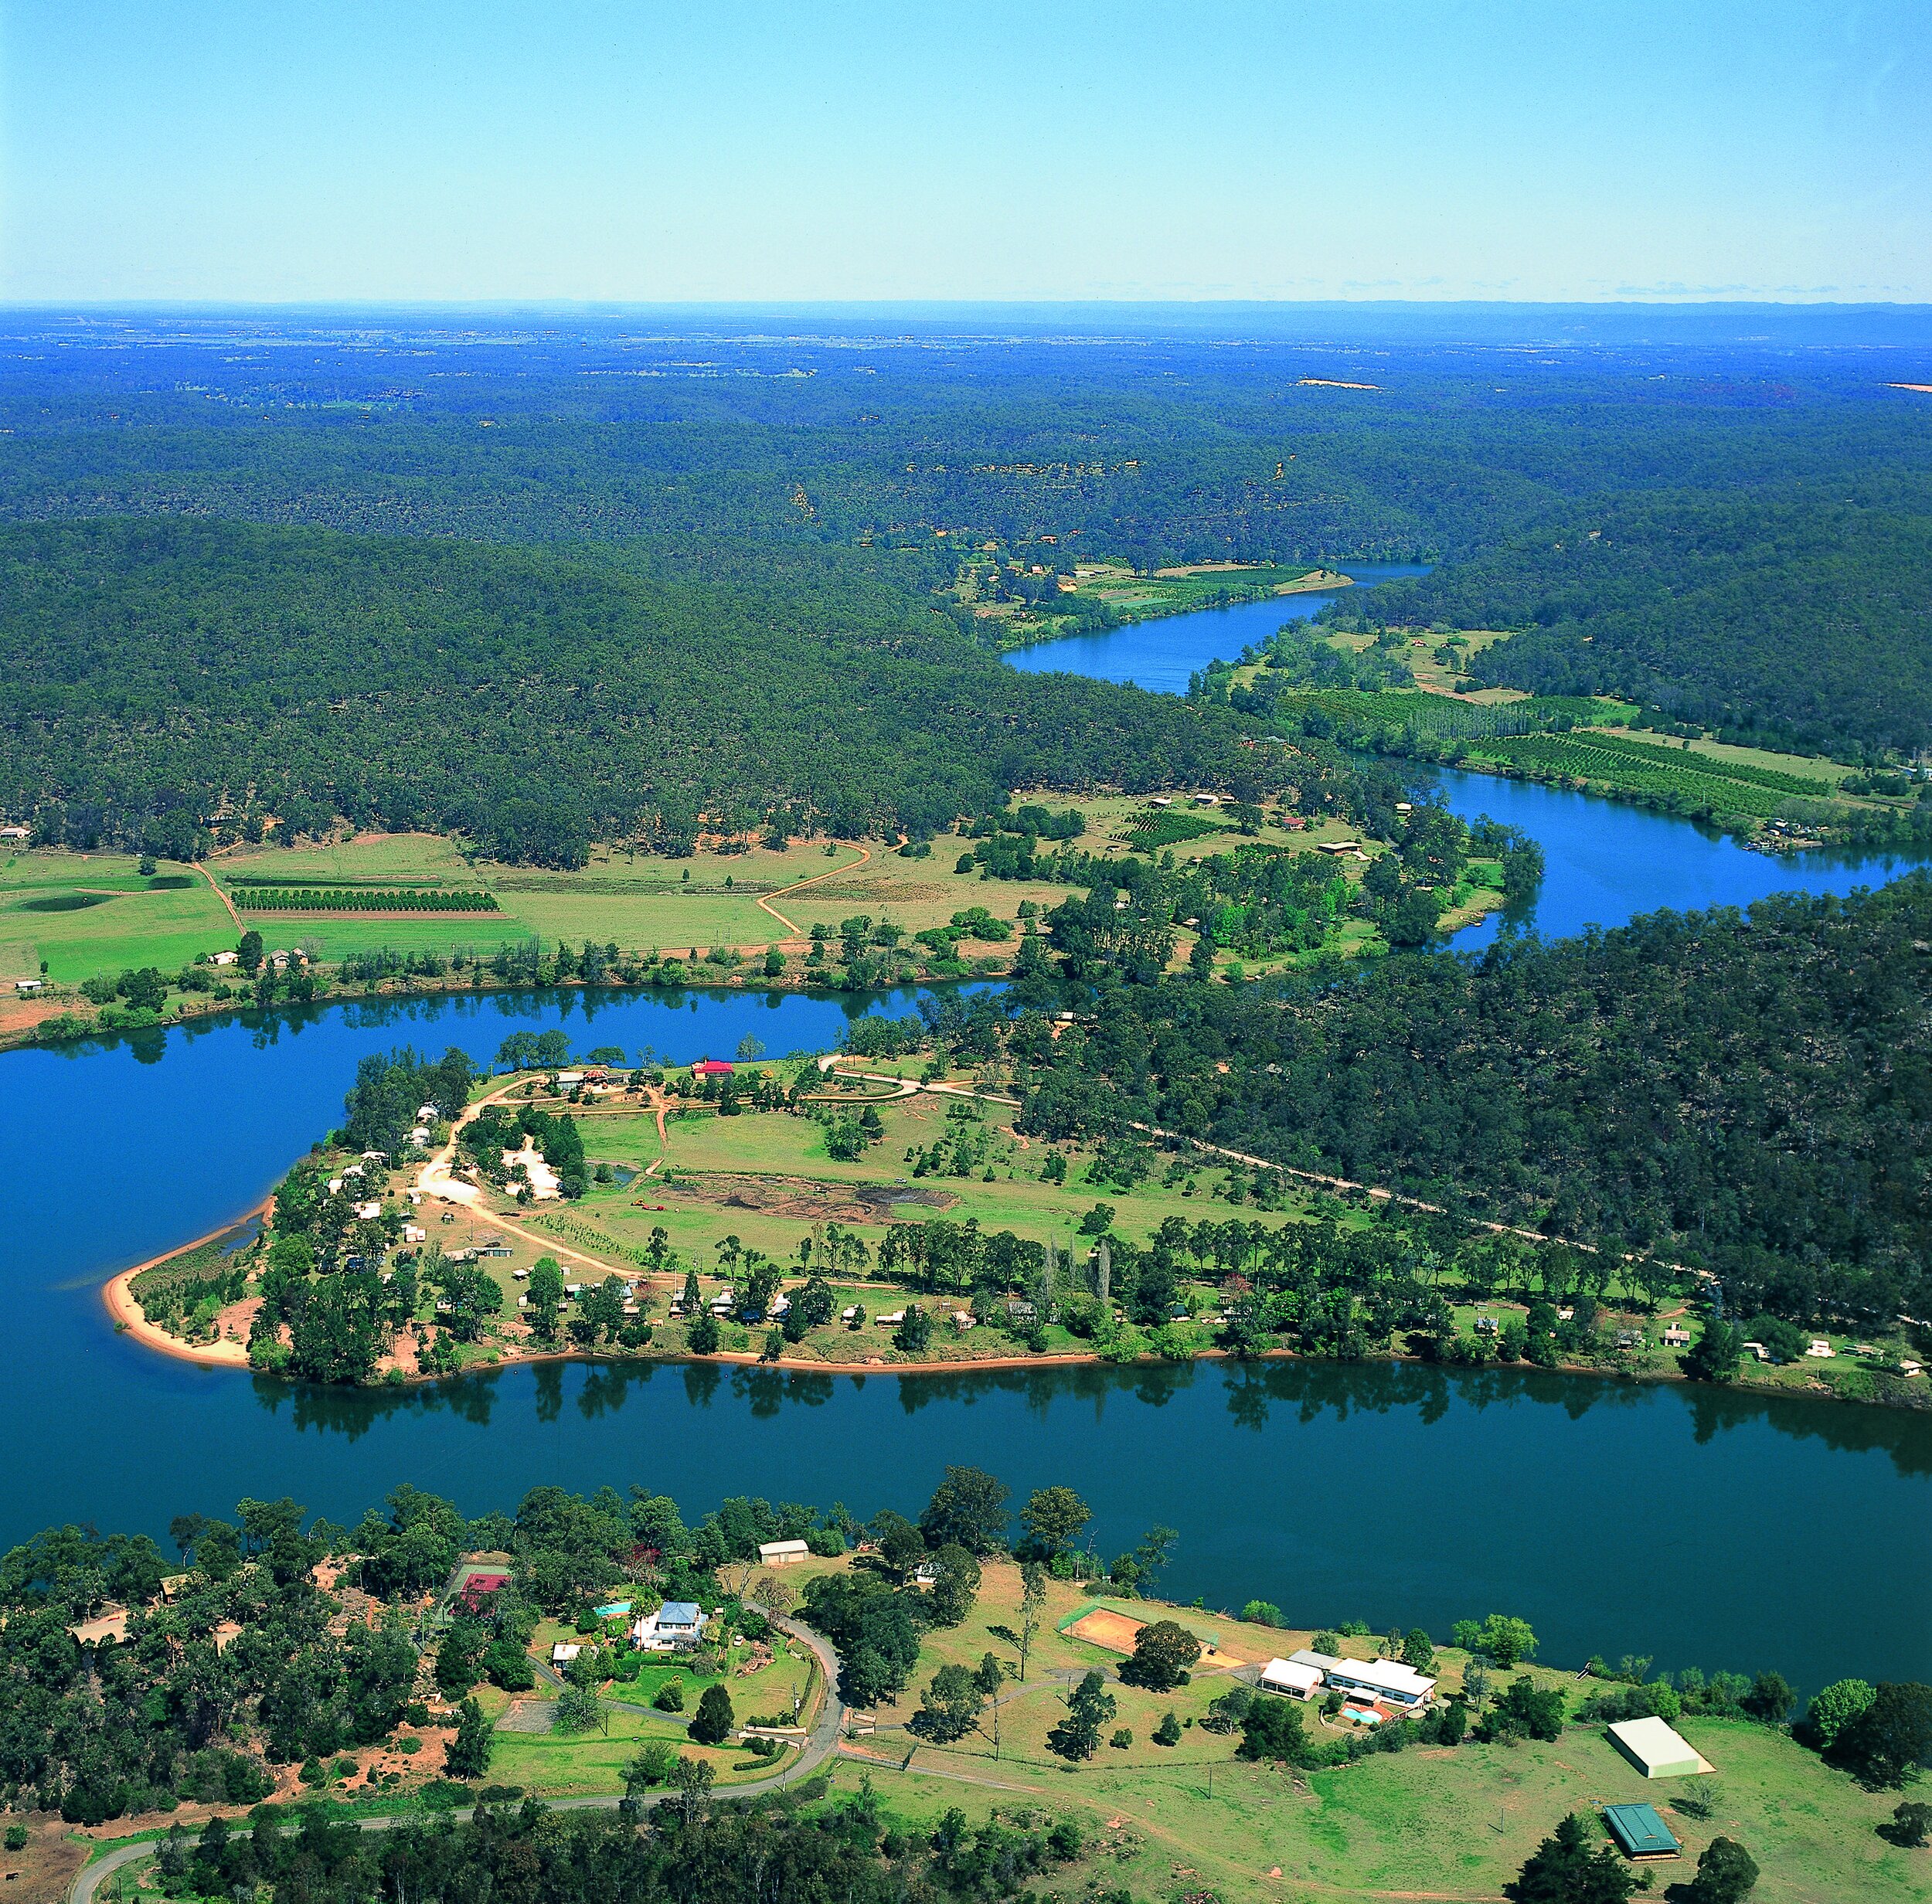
[(561, 303)]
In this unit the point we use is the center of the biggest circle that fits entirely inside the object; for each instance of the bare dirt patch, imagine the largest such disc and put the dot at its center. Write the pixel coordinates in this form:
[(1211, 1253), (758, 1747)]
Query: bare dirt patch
[(43, 1872), (1118, 1633), (808, 1197)]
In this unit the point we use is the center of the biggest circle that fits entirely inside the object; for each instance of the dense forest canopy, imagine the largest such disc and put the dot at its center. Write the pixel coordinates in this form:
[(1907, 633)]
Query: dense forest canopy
[(1804, 609), (1169, 447), (1759, 508), (1745, 1091), (151, 672)]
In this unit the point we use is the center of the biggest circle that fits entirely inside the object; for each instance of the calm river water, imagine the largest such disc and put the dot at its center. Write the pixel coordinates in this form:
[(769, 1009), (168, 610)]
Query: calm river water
[(1381, 1492), (1701, 1526), (1160, 655)]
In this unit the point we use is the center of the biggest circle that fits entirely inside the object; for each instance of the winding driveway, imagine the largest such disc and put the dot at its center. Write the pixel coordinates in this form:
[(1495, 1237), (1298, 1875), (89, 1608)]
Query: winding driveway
[(820, 1745), (792, 925)]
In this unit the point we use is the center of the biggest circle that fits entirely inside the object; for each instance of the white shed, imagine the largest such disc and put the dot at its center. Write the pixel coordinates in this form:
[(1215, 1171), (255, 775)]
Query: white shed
[(782, 1553), (1656, 1750), (1286, 1677)]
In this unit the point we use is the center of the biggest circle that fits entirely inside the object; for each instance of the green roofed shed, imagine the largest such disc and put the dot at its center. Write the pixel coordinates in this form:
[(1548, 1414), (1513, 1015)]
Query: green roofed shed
[(1639, 1833)]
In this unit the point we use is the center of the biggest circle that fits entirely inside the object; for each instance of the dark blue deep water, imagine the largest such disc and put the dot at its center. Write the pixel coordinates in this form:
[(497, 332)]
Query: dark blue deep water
[(1606, 862), (1381, 1492), (1702, 1528)]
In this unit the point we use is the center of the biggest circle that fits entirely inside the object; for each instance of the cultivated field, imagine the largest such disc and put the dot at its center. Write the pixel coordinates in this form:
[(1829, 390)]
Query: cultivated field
[(638, 901), (89, 912)]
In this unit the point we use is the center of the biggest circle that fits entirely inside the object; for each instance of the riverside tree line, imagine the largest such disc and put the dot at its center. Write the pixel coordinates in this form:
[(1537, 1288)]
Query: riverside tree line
[(238, 1659)]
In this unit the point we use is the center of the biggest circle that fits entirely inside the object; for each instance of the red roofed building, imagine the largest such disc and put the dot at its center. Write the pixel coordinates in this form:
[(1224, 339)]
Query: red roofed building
[(711, 1068), (479, 1586)]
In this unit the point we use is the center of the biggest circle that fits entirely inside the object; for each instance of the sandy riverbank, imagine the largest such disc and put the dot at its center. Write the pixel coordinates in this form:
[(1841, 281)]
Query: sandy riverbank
[(118, 1294)]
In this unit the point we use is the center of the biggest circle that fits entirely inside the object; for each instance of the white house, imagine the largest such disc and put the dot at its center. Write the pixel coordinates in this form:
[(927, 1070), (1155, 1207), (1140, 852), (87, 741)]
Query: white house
[(1821, 1349), (368, 1212), (1379, 1679), (782, 1553), (675, 1624), (15, 833), (563, 1652), (1292, 1681), (28, 987), (223, 958)]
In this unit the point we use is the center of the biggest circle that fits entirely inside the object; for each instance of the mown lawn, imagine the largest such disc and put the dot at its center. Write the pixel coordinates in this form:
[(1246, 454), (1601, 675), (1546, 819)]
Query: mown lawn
[(142, 924), (566, 1765), (1452, 1824)]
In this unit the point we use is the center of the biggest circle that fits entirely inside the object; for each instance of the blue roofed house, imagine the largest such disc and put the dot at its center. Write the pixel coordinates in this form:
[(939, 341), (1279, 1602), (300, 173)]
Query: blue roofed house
[(676, 1624)]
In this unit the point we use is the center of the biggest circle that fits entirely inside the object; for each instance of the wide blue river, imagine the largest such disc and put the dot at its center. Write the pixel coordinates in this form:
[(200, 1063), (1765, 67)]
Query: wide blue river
[(1160, 655), (1383, 1492)]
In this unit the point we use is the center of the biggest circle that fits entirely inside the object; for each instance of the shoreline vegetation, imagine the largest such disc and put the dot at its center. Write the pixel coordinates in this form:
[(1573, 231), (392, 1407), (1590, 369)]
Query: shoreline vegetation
[(439, 1675), (129, 1319), (832, 1272), (1292, 879), (1396, 691), (1074, 1139), (1103, 595)]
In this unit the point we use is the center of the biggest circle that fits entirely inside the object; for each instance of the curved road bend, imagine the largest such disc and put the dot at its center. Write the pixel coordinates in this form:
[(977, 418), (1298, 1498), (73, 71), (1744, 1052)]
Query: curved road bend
[(820, 1745)]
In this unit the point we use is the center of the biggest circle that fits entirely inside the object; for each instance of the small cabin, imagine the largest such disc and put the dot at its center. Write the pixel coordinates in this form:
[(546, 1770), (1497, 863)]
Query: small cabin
[(1640, 1834)]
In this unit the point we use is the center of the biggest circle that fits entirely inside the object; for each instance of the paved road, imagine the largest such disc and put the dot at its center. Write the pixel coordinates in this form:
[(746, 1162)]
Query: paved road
[(822, 1744)]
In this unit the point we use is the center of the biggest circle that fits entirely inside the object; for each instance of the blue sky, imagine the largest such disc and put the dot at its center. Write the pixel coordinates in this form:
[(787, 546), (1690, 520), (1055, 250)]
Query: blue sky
[(466, 150)]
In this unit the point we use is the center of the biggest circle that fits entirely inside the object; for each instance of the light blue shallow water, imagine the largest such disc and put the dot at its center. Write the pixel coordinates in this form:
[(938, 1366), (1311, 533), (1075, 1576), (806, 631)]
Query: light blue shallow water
[(1160, 655)]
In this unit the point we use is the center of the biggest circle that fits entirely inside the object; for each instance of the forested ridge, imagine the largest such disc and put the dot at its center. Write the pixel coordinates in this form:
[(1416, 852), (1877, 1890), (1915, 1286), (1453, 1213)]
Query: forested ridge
[(788, 513), (1170, 450), (1804, 611), (1746, 1091), (160, 669)]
